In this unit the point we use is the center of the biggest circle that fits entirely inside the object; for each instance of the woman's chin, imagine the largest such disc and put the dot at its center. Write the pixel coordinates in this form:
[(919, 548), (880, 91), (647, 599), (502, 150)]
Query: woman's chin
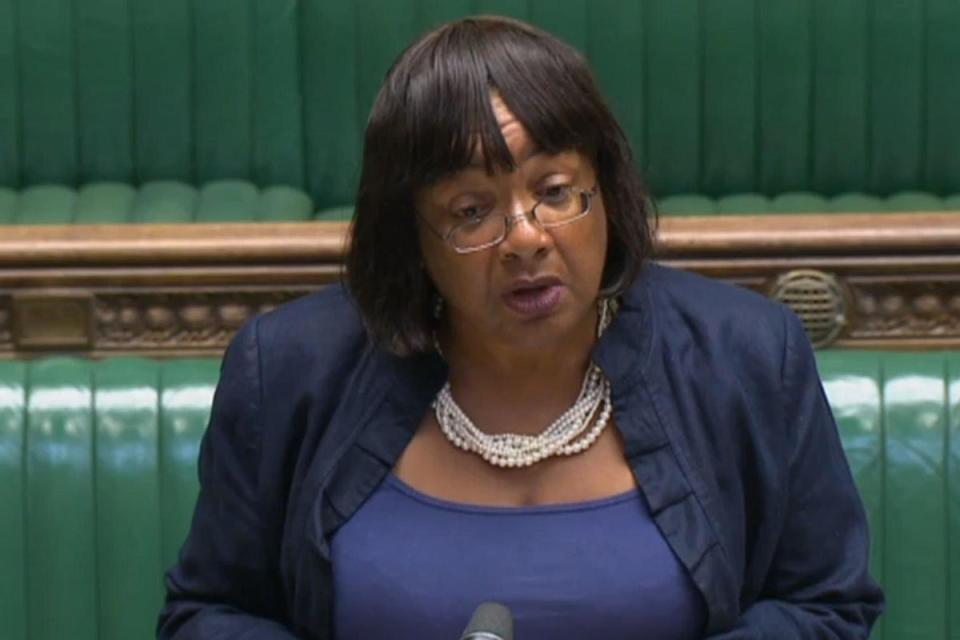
[(556, 329)]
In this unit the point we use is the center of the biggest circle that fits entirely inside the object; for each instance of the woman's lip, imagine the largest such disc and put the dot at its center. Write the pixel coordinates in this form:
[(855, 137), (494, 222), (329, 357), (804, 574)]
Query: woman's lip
[(533, 302)]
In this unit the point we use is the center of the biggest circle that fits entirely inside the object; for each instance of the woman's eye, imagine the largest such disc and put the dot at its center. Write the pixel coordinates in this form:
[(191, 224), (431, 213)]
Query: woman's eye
[(473, 212), (555, 193)]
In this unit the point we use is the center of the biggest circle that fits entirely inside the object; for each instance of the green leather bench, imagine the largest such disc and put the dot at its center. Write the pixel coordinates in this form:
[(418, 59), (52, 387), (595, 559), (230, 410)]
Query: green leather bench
[(117, 111), (98, 479), (97, 484)]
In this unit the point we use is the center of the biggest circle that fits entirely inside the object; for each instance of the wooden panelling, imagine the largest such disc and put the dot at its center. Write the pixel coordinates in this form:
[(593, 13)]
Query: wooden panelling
[(184, 289)]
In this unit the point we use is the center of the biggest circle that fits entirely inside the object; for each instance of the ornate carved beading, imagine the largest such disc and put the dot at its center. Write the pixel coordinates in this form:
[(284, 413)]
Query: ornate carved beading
[(907, 309), (6, 336), (182, 320)]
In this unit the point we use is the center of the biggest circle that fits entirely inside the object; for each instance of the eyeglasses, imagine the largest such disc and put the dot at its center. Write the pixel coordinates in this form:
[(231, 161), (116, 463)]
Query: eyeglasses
[(560, 205)]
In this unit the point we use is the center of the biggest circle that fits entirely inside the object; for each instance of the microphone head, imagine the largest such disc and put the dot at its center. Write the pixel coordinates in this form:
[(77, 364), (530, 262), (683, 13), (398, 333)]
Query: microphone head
[(491, 621)]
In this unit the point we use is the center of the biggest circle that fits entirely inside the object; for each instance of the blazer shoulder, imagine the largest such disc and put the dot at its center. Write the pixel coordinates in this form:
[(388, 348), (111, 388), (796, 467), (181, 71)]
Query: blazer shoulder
[(312, 340), (321, 321), (703, 295), (718, 316)]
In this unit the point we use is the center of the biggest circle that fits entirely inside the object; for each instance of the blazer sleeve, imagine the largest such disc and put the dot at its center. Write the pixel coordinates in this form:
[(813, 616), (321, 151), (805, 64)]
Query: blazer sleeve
[(818, 584), (225, 583)]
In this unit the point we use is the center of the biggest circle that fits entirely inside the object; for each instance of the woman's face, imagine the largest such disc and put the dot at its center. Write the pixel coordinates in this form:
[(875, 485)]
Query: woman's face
[(538, 286)]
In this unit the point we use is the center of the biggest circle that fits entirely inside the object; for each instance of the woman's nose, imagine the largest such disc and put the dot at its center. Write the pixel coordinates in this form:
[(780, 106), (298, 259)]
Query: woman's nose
[(525, 237)]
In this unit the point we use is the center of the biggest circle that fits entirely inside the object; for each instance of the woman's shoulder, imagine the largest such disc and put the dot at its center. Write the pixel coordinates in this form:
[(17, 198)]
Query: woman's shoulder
[(728, 362), (319, 322), (708, 326), (705, 298), (312, 340), (717, 314)]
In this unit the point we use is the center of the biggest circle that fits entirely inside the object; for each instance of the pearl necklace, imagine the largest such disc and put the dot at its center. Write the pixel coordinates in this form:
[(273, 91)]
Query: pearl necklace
[(567, 435)]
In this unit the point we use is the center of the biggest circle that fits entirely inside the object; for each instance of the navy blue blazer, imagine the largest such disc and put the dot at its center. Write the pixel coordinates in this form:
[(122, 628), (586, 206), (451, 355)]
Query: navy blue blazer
[(722, 414)]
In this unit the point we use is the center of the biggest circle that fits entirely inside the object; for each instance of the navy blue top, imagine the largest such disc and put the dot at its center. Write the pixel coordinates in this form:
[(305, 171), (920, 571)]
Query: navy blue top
[(408, 565), (716, 397)]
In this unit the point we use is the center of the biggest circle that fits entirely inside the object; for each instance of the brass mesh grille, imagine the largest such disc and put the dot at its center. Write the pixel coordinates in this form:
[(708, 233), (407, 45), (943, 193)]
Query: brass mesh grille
[(817, 299)]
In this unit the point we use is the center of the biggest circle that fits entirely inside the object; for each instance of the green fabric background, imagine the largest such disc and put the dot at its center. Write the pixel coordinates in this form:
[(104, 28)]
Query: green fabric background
[(719, 98)]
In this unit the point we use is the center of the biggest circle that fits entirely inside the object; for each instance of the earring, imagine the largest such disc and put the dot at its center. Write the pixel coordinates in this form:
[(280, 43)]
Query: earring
[(438, 306), (606, 308), (436, 345)]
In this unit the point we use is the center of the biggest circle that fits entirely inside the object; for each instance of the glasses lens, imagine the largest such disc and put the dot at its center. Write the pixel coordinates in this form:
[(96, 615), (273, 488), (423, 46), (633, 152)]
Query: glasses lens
[(478, 233), (561, 205)]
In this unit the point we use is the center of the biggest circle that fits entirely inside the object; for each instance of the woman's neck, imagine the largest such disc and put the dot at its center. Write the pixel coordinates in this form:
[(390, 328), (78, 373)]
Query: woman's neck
[(505, 387)]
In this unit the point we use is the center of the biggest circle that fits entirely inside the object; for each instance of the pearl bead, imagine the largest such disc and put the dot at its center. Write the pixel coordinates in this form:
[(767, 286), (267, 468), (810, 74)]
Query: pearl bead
[(567, 435)]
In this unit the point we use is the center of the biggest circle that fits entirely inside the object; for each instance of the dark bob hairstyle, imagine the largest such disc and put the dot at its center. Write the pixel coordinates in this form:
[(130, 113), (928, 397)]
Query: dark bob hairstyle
[(431, 112)]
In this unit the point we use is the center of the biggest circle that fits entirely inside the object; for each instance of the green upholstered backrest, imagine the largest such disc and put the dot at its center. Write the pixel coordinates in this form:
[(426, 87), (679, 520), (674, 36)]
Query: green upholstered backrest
[(98, 480), (718, 98), (97, 485), (899, 418), (160, 201), (133, 91)]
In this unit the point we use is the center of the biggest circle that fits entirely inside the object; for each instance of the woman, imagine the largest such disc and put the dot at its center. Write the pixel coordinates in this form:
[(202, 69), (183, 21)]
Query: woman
[(506, 403)]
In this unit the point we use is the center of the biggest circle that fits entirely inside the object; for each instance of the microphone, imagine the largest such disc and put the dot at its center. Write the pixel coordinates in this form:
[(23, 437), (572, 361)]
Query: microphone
[(491, 621)]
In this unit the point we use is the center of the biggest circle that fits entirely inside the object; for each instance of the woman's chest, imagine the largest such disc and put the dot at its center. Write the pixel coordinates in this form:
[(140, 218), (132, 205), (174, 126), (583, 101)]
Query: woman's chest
[(431, 464), (411, 565)]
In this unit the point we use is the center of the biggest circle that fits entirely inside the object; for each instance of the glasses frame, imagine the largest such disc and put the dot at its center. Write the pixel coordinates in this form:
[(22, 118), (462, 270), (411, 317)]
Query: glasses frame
[(510, 220)]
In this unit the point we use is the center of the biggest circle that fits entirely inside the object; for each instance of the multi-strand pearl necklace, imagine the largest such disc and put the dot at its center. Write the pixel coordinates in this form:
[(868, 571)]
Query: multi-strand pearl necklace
[(567, 435)]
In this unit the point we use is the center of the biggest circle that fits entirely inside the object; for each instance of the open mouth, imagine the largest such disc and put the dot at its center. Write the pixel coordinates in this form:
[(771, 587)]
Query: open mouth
[(534, 300)]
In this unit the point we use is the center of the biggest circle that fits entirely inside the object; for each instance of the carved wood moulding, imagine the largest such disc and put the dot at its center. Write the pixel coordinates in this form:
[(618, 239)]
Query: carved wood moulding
[(185, 320), (6, 336), (911, 309), (185, 289), (142, 322)]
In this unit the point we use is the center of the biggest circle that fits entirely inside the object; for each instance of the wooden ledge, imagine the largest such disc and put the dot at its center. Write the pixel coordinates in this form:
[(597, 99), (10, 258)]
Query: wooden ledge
[(830, 234), (180, 244), (324, 242)]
